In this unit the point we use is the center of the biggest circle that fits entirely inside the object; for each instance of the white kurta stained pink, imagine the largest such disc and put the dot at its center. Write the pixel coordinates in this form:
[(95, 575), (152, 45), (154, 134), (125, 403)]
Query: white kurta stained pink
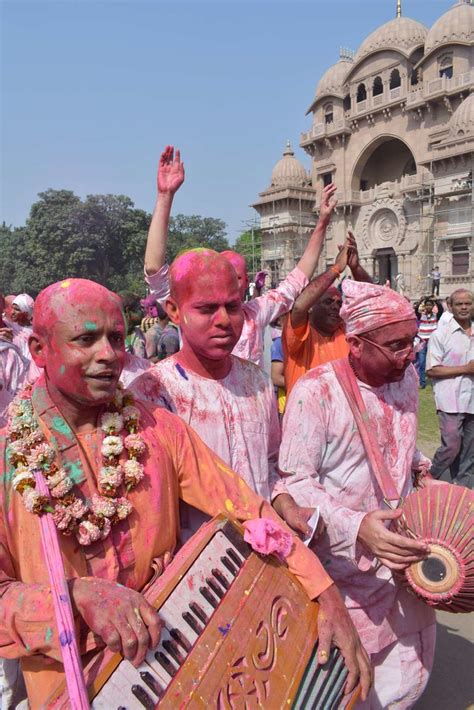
[(323, 462)]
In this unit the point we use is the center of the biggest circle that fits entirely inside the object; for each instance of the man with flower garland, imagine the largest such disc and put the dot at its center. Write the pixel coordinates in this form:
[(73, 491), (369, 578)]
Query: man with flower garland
[(115, 472)]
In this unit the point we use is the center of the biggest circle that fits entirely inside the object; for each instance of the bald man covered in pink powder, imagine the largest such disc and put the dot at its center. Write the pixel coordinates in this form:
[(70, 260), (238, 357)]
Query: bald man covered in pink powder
[(259, 312)]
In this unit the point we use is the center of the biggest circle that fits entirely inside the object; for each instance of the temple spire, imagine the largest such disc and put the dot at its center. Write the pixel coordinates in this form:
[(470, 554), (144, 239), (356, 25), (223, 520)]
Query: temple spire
[(399, 8)]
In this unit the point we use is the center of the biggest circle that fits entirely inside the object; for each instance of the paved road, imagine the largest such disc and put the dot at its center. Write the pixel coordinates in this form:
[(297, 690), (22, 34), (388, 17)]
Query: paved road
[(451, 686)]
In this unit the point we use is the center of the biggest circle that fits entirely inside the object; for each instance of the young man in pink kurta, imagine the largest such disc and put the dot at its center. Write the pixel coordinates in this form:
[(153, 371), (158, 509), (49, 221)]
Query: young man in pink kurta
[(259, 312), (324, 463), (79, 342)]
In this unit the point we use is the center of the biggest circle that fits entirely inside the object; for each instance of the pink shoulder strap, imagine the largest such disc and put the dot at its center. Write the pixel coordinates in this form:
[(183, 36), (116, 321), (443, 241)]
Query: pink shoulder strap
[(62, 606), (350, 387)]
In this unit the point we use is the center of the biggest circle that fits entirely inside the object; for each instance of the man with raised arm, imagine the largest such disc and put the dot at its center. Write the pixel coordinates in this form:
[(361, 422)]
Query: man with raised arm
[(313, 332), (260, 311), (115, 469), (324, 463)]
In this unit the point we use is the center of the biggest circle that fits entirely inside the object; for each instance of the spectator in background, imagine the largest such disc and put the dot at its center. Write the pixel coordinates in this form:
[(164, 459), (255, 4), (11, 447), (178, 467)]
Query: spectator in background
[(150, 318), (134, 340), (427, 324), (313, 333), (21, 313), (450, 364), (277, 369), (162, 340), (13, 369), (435, 281)]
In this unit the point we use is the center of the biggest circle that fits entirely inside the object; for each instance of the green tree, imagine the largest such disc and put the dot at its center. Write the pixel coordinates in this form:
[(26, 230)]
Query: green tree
[(249, 244), (101, 238), (191, 231)]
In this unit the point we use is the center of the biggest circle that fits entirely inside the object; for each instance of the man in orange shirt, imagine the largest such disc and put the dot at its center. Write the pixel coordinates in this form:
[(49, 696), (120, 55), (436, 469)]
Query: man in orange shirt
[(313, 333)]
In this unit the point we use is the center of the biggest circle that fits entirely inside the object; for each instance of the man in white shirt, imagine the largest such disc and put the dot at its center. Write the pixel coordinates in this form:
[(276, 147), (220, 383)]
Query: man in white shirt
[(450, 364), (258, 312)]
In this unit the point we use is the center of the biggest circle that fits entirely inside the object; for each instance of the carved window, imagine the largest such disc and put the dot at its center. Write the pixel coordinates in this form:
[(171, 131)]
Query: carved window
[(460, 258), (346, 104), (414, 78), (395, 80), (327, 179), (377, 86), (328, 113), (361, 93), (445, 64)]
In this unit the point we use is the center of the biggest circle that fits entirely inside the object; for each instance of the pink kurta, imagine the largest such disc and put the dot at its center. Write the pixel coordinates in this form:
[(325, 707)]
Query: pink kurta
[(258, 313), (177, 465), (323, 462), (236, 416)]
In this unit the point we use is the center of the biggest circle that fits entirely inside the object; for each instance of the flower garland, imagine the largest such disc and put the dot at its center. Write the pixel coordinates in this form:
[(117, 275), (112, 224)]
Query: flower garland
[(29, 452)]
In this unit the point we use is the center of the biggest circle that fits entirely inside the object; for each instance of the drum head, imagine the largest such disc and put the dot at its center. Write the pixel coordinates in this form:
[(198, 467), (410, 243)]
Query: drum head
[(439, 573)]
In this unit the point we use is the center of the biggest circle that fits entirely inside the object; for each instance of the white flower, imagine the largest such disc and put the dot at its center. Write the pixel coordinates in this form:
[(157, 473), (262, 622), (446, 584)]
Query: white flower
[(112, 446), (87, 532), (25, 476), (111, 422), (103, 506), (56, 478), (133, 472), (110, 477), (131, 415), (32, 500)]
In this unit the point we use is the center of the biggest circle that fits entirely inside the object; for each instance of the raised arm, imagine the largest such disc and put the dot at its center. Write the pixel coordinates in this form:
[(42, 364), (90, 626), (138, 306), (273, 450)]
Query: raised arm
[(310, 258), (169, 179), (359, 273), (314, 290)]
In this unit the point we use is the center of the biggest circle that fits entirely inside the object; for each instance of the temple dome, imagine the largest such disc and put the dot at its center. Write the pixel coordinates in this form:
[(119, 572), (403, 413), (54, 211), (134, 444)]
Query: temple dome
[(332, 80), (462, 120), (289, 171), (456, 25), (401, 33)]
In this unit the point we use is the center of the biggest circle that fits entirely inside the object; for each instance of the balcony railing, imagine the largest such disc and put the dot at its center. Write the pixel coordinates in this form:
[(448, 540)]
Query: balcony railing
[(442, 85), (321, 130)]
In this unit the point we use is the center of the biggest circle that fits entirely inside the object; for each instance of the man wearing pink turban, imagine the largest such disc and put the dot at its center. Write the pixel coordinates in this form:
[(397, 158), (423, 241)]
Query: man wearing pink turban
[(324, 463)]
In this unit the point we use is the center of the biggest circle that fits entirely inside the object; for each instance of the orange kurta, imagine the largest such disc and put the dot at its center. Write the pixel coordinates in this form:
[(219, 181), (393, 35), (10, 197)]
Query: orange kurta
[(178, 465), (305, 348)]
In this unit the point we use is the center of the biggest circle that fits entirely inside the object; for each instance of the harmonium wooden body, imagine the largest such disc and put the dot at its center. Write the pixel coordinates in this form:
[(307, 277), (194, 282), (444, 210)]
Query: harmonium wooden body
[(239, 633)]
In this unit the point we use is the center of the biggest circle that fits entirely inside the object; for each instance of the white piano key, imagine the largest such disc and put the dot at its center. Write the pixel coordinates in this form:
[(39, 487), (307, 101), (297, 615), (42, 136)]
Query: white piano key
[(117, 691)]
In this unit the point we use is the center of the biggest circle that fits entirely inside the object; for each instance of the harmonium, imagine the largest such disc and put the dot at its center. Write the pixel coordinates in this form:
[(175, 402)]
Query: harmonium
[(239, 633)]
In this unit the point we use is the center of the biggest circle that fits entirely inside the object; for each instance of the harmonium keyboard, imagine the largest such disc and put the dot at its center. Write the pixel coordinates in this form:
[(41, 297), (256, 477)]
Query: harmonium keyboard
[(239, 633)]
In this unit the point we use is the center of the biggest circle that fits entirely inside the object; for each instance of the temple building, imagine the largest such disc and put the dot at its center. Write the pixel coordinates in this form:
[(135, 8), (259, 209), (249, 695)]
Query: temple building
[(393, 127)]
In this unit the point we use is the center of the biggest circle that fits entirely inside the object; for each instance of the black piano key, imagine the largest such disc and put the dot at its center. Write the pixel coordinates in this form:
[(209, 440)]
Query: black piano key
[(234, 557), (191, 621), (215, 587), (228, 564), (181, 639), (173, 651), (221, 578), (151, 682), (166, 663), (143, 697), (199, 612), (209, 597)]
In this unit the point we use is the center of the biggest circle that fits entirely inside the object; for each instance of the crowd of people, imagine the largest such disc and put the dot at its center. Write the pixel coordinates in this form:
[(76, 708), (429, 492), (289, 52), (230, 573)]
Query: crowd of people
[(147, 417)]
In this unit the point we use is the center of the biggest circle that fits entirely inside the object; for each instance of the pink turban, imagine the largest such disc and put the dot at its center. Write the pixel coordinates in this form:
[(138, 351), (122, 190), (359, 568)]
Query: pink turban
[(367, 306)]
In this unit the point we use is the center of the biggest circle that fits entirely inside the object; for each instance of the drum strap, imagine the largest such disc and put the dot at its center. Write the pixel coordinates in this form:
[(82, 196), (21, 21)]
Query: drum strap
[(350, 387)]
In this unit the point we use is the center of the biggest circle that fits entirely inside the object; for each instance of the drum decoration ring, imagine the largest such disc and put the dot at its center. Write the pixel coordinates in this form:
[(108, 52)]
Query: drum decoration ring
[(440, 576)]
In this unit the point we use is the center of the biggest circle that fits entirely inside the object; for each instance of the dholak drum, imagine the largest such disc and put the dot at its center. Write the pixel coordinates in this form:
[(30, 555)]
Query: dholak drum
[(443, 517)]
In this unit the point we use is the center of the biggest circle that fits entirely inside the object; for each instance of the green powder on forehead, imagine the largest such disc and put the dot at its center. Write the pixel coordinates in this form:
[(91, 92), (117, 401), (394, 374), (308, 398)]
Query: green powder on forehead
[(89, 325)]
